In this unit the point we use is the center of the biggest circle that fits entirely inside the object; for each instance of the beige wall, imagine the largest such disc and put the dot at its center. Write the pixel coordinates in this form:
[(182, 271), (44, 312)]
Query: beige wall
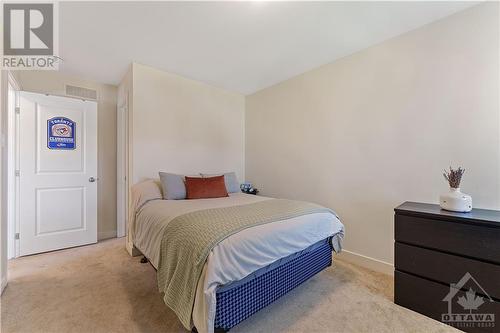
[(369, 131), (52, 82), (184, 126)]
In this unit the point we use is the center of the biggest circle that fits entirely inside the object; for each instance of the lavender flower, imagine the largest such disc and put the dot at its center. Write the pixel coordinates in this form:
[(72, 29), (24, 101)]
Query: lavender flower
[(453, 177)]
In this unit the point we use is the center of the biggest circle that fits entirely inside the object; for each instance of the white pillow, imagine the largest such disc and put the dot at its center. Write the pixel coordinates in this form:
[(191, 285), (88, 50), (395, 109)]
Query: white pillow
[(143, 192)]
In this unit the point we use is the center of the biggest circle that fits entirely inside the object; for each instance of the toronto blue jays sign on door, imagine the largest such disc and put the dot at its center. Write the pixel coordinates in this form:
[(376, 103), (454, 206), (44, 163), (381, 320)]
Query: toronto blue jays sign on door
[(61, 133)]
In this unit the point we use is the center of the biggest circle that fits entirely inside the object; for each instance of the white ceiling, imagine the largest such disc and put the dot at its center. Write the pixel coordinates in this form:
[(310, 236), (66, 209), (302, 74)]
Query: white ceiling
[(239, 46)]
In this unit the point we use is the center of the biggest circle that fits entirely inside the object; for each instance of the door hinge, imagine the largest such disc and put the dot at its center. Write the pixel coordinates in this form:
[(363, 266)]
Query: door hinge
[(18, 173), (18, 110), (17, 235)]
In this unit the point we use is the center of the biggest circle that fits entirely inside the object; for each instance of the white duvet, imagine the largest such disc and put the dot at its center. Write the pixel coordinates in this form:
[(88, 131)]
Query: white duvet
[(238, 255)]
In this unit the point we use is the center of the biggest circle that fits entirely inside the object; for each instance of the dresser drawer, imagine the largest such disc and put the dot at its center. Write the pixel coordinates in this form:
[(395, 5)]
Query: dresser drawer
[(426, 297), (460, 238), (446, 268)]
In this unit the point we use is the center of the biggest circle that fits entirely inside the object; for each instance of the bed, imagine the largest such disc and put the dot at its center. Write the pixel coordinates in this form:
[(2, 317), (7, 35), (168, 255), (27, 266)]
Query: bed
[(243, 272)]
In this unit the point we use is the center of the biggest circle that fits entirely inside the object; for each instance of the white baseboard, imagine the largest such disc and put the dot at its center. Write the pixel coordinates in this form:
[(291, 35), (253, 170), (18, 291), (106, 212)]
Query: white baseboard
[(367, 262), (106, 234), (3, 285)]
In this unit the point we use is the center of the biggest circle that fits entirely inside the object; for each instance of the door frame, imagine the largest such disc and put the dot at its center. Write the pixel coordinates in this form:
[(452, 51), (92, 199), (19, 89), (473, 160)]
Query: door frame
[(7, 80), (122, 152), (12, 162)]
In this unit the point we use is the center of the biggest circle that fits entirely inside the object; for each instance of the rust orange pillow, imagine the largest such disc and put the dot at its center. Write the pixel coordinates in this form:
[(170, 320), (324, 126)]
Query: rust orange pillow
[(204, 188)]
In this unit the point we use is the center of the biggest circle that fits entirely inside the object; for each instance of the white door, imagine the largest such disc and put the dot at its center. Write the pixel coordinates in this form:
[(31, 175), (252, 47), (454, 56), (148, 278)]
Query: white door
[(58, 168)]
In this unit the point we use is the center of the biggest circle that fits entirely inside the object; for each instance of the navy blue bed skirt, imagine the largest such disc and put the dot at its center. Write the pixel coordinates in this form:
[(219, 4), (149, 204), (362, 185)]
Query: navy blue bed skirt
[(238, 301)]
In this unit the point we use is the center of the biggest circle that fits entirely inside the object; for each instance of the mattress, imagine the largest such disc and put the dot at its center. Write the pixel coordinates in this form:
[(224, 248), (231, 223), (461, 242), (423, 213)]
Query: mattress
[(237, 256), (268, 268)]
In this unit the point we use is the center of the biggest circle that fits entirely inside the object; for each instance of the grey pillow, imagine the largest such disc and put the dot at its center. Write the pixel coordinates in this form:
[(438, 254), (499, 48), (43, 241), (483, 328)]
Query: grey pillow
[(173, 186), (232, 184)]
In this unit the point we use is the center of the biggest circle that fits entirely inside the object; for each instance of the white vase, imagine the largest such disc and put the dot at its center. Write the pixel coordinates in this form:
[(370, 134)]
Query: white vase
[(456, 201)]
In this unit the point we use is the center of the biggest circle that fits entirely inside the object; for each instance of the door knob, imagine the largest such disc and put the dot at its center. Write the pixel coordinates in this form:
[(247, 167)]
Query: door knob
[(92, 179)]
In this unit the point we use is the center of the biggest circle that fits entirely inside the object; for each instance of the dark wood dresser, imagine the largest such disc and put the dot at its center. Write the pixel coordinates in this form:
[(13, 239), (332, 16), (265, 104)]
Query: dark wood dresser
[(435, 248)]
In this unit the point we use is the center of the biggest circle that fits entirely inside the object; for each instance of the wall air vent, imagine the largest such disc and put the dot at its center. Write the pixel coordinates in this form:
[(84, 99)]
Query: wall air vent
[(81, 92)]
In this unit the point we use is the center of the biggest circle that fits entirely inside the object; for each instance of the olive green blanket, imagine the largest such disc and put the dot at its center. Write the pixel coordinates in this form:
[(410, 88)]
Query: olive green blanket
[(189, 238)]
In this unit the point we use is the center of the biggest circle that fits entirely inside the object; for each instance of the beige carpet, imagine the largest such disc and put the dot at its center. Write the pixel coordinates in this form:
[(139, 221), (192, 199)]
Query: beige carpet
[(99, 288)]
